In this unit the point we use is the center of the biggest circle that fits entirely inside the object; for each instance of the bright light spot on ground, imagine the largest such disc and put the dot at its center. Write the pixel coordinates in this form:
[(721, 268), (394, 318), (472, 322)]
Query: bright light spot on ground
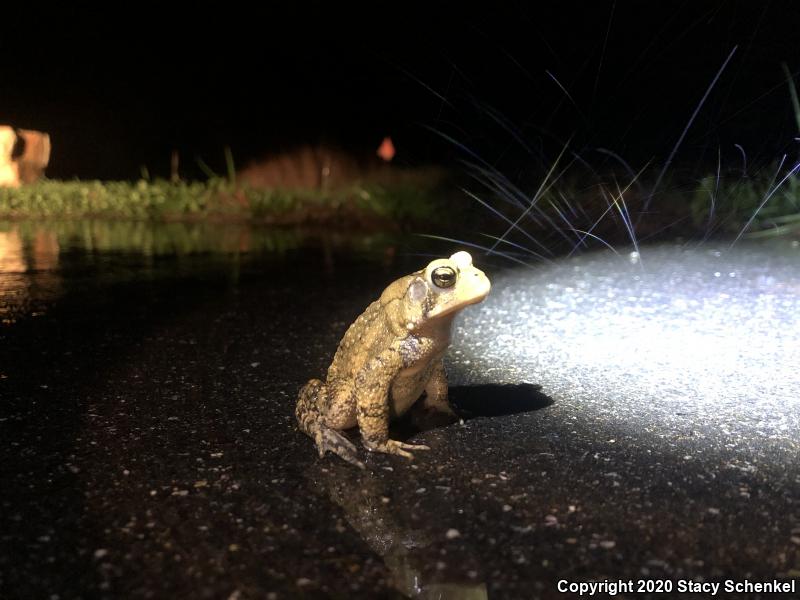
[(666, 341)]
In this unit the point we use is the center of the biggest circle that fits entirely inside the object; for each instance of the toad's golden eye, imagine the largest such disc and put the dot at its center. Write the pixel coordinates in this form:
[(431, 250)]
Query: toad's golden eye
[(444, 277)]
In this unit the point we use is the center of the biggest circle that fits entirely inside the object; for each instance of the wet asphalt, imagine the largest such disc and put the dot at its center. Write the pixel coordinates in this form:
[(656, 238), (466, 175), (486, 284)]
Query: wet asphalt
[(148, 447)]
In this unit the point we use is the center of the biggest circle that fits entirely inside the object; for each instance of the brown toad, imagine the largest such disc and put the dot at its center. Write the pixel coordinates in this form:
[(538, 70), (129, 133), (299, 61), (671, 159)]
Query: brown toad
[(389, 356)]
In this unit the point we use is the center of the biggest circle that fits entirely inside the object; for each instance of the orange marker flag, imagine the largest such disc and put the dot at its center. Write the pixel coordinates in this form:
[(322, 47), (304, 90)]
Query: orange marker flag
[(386, 149)]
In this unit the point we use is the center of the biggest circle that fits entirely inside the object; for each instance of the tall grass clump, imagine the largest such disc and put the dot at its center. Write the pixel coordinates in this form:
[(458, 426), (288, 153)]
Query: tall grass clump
[(377, 203)]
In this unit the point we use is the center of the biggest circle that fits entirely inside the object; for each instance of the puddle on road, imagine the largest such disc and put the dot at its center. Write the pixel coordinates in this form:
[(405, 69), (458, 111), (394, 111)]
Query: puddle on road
[(37, 259), (29, 277)]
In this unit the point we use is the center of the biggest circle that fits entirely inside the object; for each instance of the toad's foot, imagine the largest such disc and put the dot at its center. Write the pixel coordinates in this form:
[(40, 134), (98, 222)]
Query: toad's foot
[(330, 440), (395, 447)]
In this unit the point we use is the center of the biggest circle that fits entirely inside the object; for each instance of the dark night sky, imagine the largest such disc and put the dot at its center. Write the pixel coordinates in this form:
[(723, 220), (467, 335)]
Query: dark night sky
[(117, 91)]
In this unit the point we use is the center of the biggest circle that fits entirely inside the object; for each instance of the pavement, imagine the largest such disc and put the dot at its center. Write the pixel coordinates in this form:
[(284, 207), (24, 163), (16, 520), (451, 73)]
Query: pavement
[(627, 417)]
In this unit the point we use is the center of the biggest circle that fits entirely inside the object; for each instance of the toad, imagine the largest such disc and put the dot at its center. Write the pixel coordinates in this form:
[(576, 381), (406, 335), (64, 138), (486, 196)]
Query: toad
[(390, 359)]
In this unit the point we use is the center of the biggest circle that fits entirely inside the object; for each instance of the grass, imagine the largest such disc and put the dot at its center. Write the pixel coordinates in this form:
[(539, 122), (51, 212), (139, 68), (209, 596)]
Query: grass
[(393, 204), (579, 210), (569, 215), (765, 206), (751, 207), (535, 208)]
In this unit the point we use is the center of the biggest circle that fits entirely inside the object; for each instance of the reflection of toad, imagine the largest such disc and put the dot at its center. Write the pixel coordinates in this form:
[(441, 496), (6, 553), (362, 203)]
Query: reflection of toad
[(389, 356), (412, 552)]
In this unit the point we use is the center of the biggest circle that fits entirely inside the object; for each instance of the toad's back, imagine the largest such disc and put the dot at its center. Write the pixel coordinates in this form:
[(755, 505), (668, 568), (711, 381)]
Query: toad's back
[(367, 337)]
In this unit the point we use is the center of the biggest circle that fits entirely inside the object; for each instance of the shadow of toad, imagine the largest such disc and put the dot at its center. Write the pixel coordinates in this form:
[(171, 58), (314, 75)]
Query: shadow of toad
[(472, 402), (497, 400)]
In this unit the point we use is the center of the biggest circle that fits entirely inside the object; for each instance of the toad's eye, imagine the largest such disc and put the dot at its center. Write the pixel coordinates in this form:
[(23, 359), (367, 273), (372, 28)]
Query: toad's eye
[(444, 277)]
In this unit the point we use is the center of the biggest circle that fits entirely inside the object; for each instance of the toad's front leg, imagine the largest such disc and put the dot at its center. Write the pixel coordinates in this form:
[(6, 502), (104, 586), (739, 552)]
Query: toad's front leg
[(373, 383)]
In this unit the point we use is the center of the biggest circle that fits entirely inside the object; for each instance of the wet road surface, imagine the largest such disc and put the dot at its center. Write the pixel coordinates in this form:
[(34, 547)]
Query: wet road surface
[(149, 448)]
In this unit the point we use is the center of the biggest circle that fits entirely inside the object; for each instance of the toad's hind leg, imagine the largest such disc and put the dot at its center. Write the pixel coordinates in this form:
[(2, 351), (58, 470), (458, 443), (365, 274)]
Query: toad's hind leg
[(312, 404)]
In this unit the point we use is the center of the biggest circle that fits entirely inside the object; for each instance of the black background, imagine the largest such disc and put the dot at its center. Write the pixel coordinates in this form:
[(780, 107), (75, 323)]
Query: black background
[(123, 87)]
